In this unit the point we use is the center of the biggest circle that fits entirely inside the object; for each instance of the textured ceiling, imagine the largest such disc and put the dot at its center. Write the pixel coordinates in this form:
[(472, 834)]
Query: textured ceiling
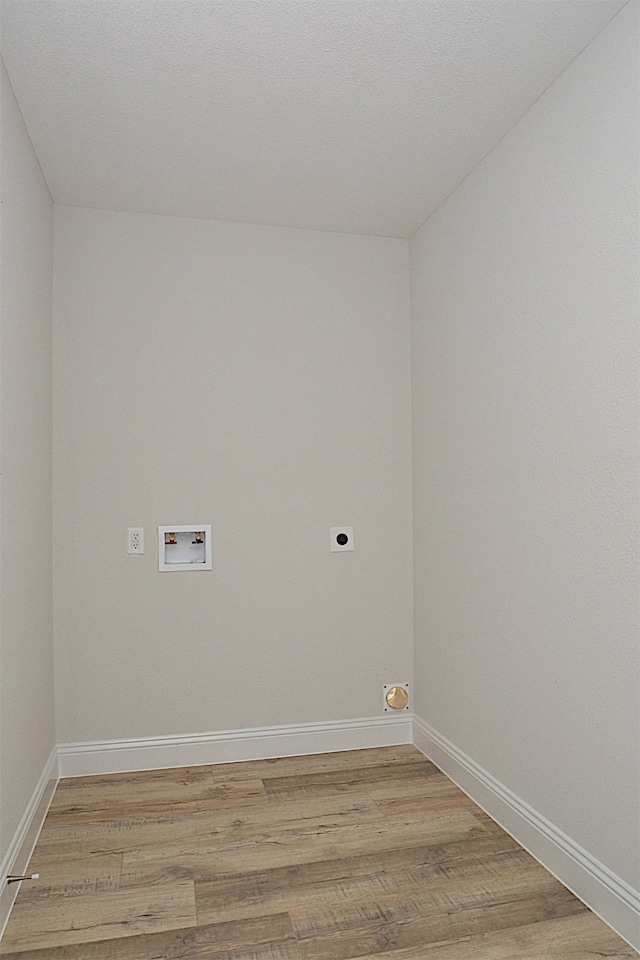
[(350, 115)]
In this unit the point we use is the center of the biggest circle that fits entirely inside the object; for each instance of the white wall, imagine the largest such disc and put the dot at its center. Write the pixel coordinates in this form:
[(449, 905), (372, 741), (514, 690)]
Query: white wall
[(257, 379), (525, 377), (26, 629)]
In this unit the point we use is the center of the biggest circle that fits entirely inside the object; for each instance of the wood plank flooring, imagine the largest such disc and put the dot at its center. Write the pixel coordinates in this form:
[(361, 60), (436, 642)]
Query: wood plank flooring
[(370, 853)]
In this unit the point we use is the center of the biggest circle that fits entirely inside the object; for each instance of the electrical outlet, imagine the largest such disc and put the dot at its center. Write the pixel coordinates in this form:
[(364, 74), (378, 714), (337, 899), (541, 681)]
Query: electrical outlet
[(135, 540), (340, 539)]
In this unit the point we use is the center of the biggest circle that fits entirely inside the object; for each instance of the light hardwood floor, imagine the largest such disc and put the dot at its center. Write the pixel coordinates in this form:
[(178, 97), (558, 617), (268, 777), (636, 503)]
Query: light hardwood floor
[(371, 853)]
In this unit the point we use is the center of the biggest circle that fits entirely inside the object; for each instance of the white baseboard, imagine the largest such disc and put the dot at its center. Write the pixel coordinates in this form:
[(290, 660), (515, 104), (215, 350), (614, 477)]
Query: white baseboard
[(614, 900), (19, 853), (227, 746)]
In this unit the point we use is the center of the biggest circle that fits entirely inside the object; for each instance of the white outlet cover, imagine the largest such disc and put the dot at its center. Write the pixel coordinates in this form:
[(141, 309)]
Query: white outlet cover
[(135, 541), (338, 534)]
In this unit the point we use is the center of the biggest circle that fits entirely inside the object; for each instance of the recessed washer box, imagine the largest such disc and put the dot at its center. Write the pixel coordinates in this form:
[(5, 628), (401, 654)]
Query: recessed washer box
[(184, 547)]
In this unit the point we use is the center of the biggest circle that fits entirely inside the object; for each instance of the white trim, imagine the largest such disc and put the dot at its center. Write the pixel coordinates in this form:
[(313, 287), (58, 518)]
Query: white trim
[(227, 746), (614, 900), (21, 847)]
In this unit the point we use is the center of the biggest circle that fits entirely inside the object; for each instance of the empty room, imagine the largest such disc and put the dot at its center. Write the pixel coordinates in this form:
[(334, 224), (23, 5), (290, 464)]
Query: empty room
[(334, 305)]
